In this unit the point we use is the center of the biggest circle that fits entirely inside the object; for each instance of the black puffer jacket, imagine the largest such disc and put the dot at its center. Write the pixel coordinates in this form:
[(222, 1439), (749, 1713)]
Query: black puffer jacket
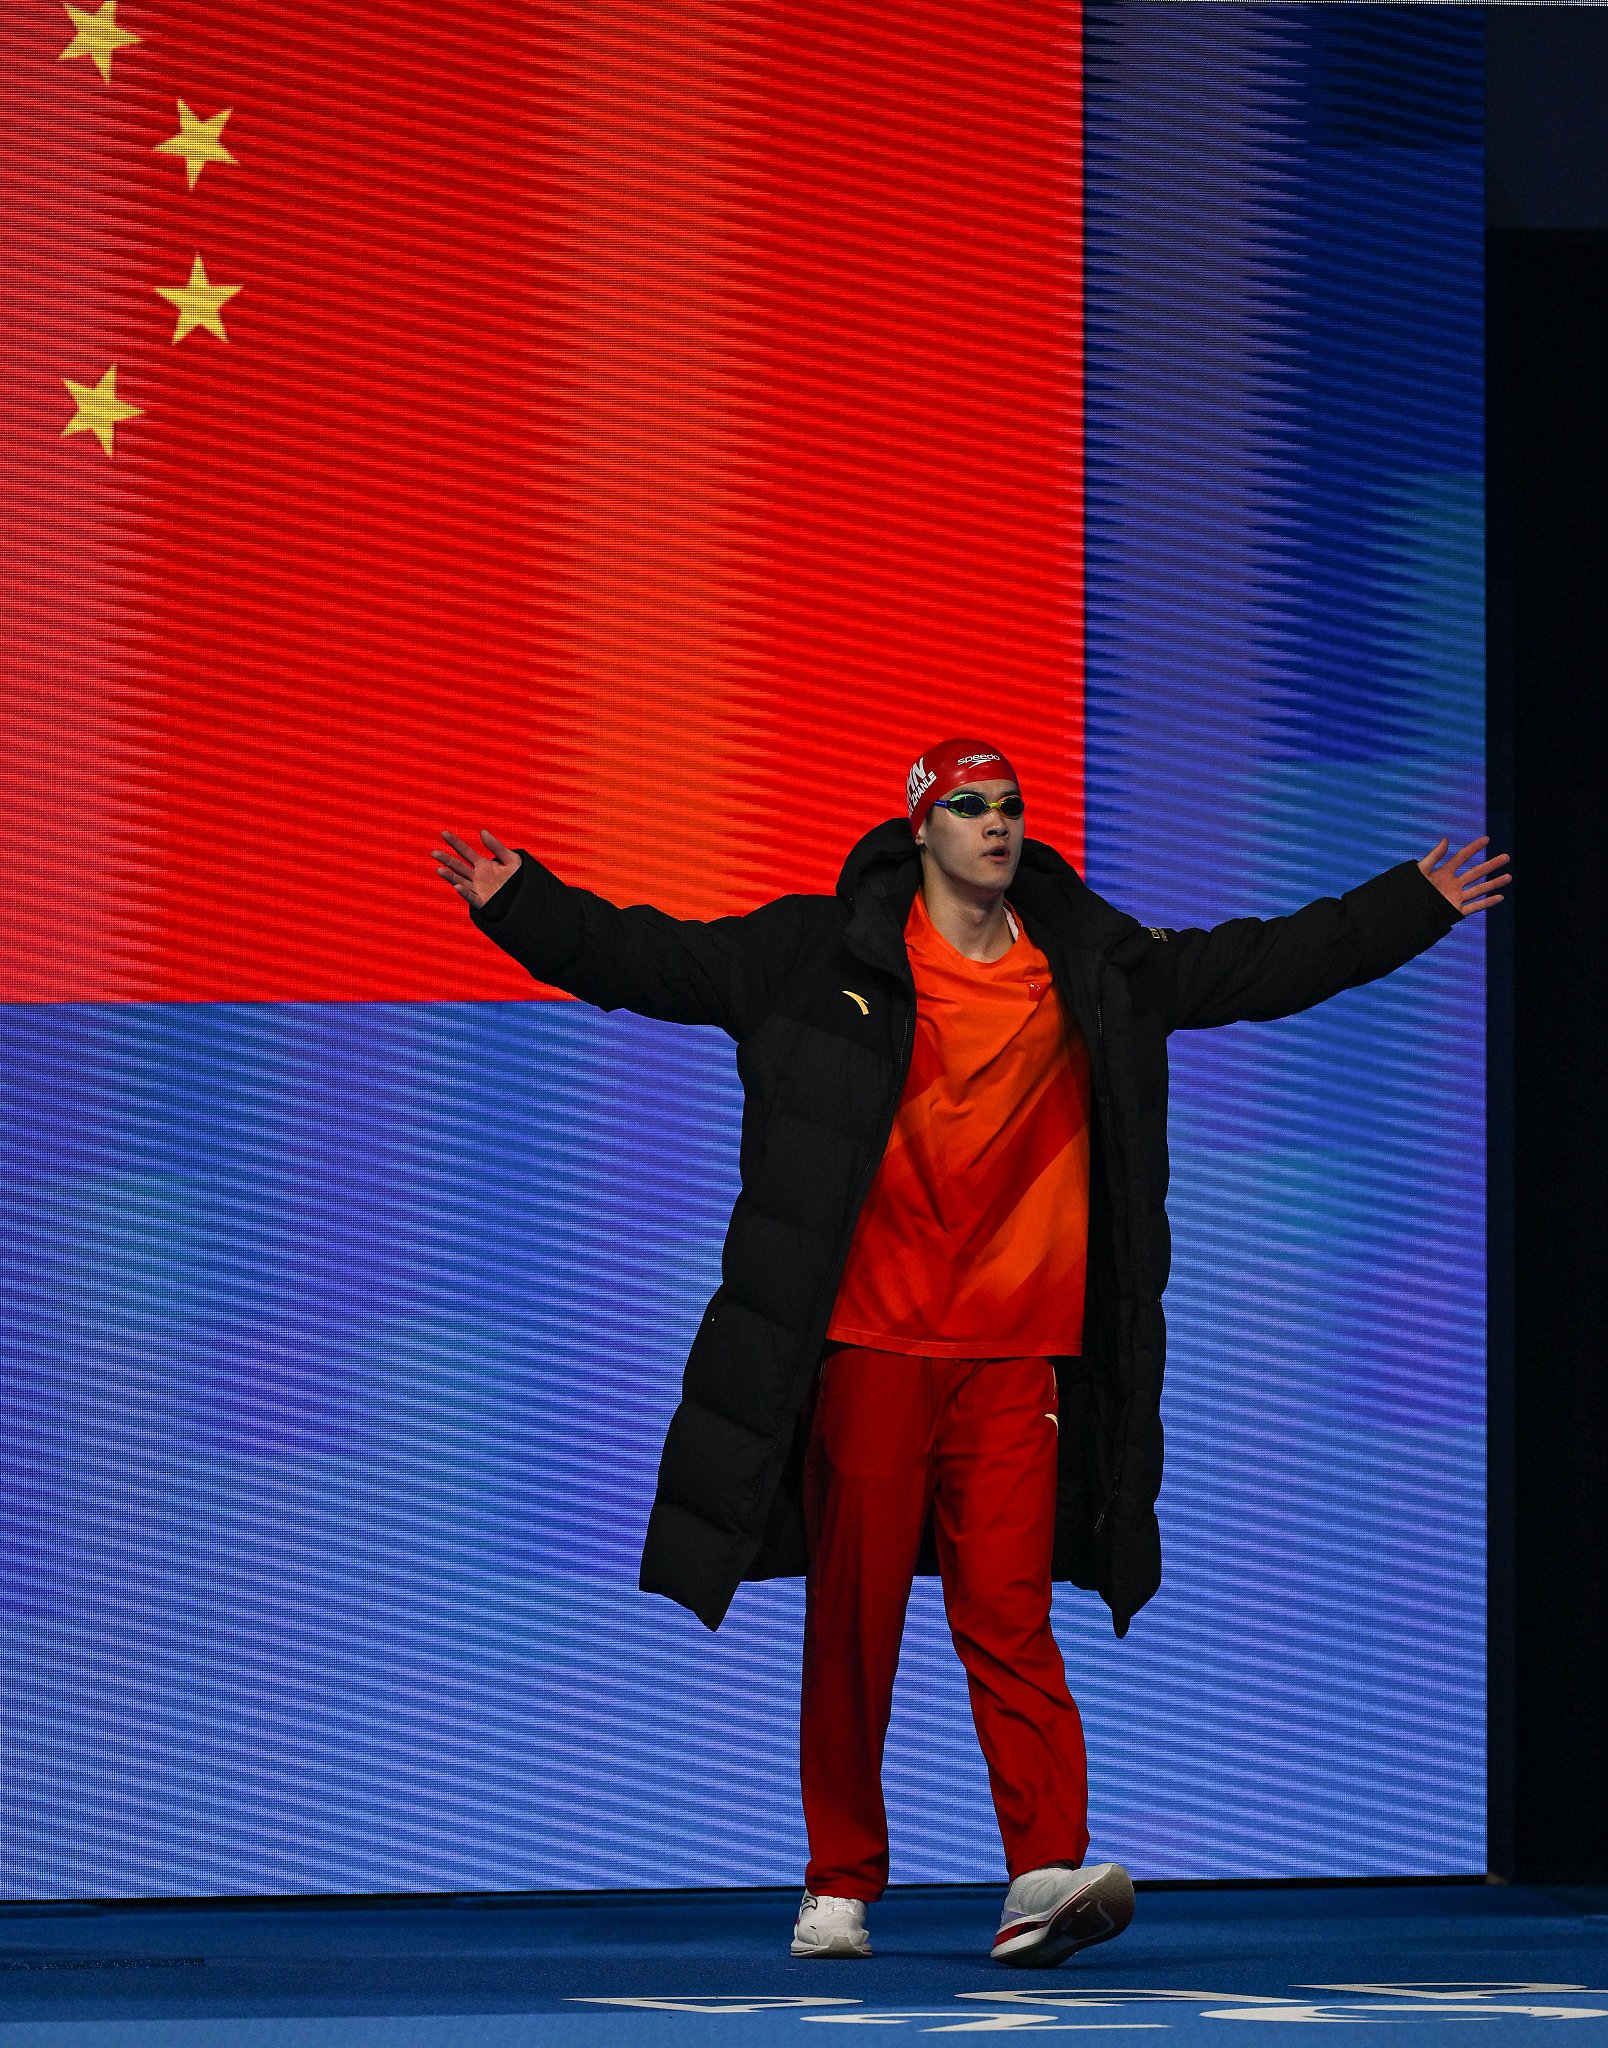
[(822, 1074)]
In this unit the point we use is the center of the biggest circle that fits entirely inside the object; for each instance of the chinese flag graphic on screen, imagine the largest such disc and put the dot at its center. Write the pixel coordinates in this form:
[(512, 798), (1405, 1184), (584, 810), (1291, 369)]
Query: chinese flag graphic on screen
[(638, 428)]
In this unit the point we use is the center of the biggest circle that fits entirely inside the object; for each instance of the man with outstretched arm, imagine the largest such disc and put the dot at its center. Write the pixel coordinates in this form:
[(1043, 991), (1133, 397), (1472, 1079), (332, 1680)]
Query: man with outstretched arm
[(937, 1343)]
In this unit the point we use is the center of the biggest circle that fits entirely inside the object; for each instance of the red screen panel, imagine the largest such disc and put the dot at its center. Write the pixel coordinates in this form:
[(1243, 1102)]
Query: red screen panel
[(639, 429)]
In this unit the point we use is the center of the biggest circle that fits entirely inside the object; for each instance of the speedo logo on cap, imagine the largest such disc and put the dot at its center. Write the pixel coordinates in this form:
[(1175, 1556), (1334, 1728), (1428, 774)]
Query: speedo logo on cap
[(920, 778), (971, 760)]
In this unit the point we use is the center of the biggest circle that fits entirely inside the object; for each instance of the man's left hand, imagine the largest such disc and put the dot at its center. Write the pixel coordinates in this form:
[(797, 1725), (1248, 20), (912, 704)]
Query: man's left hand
[(1479, 889)]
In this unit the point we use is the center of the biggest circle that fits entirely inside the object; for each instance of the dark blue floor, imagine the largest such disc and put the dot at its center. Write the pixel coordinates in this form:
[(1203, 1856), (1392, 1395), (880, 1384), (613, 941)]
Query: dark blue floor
[(1494, 1963)]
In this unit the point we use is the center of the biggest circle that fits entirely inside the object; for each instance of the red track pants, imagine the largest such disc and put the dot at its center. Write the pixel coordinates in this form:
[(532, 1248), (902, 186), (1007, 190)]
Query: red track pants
[(975, 1439)]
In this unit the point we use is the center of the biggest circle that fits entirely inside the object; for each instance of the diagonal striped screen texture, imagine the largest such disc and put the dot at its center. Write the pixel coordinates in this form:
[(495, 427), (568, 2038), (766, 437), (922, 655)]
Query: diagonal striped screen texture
[(609, 423)]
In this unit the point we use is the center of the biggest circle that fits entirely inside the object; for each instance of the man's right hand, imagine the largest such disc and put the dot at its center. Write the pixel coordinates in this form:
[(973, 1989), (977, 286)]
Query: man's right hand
[(476, 876)]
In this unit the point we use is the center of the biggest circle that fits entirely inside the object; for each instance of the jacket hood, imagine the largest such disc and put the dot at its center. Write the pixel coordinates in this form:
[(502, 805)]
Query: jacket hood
[(883, 872), (885, 848)]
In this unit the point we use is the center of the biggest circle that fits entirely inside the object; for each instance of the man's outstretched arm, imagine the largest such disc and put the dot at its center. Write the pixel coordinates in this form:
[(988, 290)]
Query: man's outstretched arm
[(1259, 968), (636, 957)]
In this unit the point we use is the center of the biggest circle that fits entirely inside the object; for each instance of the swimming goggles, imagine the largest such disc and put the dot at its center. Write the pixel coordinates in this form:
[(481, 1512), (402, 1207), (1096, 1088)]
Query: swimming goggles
[(968, 803)]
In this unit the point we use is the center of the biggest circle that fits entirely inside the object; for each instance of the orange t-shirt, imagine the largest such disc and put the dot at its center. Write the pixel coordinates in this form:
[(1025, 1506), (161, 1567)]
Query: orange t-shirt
[(973, 1241)]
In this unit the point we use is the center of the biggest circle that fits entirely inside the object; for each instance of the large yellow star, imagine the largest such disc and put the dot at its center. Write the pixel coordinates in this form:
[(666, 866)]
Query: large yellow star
[(200, 302), (197, 142), (99, 409), (97, 35)]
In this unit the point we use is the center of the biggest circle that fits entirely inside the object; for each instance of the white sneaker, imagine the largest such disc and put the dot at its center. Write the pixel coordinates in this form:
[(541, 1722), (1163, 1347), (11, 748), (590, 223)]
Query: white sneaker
[(830, 1926), (1050, 1913)]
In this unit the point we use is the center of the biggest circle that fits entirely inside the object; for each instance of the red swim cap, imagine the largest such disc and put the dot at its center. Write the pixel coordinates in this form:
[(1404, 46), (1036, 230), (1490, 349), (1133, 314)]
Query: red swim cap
[(946, 767)]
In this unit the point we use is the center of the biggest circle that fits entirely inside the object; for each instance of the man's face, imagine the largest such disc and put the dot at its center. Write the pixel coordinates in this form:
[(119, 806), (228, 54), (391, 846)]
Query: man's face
[(977, 853)]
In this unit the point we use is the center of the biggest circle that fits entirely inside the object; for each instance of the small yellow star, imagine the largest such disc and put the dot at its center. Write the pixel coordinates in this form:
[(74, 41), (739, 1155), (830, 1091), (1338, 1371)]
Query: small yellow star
[(197, 141), (100, 410), (97, 35), (200, 302)]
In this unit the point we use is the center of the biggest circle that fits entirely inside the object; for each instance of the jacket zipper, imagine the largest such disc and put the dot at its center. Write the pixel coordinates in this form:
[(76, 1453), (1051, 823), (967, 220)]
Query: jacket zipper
[(1105, 1105), (1099, 1032)]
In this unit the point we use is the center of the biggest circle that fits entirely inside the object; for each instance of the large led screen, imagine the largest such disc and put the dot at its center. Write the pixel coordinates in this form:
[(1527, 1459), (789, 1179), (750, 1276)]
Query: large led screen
[(640, 430)]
